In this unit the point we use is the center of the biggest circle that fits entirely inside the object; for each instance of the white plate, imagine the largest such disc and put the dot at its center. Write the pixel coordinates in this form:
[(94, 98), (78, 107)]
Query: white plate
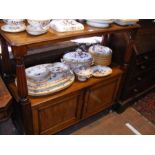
[(100, 71), (98, 25), (13, 29)]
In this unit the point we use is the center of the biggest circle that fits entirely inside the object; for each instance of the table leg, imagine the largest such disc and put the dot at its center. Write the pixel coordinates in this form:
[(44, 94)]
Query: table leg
[(6, 65), (25, 105)]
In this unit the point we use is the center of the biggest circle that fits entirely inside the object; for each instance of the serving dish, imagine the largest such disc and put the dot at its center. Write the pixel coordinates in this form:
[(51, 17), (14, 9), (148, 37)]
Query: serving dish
[(52, 89), (101, 71), (66, 25)]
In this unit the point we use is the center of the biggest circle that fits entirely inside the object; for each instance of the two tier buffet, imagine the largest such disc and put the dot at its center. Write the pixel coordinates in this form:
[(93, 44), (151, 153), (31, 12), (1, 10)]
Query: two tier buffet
[(53, 96)]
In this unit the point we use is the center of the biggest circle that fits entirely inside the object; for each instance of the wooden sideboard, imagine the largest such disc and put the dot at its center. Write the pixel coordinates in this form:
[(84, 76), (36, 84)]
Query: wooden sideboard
[(52, 113), (140, 76)]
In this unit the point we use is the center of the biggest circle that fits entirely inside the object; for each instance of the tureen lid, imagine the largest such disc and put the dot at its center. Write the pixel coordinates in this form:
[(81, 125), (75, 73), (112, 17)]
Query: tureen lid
[(78, 56)]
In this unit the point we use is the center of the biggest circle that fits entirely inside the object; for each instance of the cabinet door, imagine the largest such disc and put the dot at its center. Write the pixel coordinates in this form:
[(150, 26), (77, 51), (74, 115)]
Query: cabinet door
[(100, 97), (60, 114)]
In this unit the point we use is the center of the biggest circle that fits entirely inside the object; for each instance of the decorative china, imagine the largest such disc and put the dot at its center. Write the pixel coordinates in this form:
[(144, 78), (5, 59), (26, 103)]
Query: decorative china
[(83, 73), (77, 59), (35, 31), (100, 71), (13, 29), (52, 89), (39, 24), (125, 22), (101, 54), (66, 25), (102, 21), (37, 73), (13, 22)]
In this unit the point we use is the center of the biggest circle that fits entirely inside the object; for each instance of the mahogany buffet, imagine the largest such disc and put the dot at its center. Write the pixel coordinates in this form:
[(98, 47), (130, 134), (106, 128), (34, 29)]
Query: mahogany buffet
[(52, 113)]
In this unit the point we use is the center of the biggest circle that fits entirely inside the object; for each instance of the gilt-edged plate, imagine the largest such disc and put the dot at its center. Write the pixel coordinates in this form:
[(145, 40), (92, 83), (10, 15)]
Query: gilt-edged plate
[(101, 71), (13, 29)]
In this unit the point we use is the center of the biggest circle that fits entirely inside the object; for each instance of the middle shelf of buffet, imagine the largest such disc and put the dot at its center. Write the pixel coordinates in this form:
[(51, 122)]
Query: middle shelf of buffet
[(77, 70)]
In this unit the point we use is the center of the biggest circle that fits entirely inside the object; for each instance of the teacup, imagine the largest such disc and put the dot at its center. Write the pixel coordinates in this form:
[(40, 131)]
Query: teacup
[(13, 22), (39, 24)]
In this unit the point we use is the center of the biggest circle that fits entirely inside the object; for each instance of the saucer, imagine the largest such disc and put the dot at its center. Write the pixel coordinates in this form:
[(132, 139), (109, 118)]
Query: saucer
[(101, 71), (13, 29)]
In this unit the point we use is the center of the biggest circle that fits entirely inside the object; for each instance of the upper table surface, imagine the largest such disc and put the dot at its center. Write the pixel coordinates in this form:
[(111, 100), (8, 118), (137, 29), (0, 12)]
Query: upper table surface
[(23, 38)]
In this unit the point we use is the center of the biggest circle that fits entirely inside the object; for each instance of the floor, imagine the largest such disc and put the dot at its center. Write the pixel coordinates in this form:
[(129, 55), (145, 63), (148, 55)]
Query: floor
[(129, 122)]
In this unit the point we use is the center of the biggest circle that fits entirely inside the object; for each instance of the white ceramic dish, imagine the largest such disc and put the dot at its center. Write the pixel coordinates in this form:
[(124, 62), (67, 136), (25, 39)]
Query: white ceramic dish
[(101, 71), (52, 89), (37, 73), (98, 25), (51, 82), (13, 29), (66, 25)]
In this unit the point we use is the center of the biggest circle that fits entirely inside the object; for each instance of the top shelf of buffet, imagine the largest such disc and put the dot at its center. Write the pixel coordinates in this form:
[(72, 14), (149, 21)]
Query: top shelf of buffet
[(52, 36)]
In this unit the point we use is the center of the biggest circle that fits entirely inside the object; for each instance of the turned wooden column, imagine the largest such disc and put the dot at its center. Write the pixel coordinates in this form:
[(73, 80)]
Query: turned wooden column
[(25, 105), (6, 65)]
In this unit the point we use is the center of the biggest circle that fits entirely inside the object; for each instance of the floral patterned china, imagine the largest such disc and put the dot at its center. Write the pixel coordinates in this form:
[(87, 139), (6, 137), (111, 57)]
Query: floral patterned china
[(83, 73), (101, 71), (77, 59), (37, 73), (13, 29), (13, 22)]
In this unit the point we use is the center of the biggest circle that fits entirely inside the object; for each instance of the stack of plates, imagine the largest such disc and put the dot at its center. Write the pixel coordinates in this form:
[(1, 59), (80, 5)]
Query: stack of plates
[(125, 22), (100, 23), (45, 79)]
